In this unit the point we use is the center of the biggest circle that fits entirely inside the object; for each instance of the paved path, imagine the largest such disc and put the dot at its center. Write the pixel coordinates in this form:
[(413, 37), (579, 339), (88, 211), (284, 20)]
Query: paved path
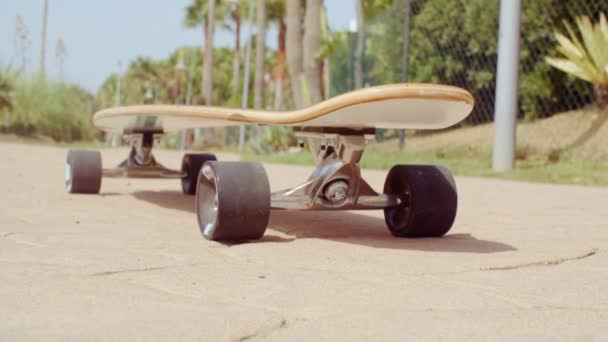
[(523, 262)]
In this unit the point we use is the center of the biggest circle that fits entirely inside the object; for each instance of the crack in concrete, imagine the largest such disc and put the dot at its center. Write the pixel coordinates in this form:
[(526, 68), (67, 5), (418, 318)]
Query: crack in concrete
[(133, 270), (569, 308), (138, 270), (263, 331), (7, 235), (552, 262)]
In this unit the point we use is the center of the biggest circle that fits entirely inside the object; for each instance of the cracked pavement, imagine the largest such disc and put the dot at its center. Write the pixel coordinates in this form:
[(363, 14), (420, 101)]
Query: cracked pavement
[(524, 261)]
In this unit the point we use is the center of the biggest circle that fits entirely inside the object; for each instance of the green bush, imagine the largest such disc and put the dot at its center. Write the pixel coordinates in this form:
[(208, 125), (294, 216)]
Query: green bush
[(58, 110)]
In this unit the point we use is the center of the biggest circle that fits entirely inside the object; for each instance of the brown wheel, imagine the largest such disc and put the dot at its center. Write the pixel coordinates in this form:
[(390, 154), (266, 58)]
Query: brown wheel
[(191, 166), (429, 200), (233, 201), (83, 172)]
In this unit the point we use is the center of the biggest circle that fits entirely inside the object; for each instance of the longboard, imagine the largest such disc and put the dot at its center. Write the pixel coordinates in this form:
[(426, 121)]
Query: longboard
[(233, 199), (401, 106)]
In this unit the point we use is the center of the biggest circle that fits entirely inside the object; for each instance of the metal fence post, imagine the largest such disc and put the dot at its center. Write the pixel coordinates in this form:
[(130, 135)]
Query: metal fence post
[(406, 55), (506, 104)]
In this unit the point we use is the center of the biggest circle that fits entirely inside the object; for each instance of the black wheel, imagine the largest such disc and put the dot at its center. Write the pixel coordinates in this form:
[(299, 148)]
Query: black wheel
[(191, 165), (233, 201), (429, 200), (83, 172)]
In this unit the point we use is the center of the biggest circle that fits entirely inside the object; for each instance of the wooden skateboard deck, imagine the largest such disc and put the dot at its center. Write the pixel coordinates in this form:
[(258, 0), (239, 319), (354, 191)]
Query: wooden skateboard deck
[(401, 106)]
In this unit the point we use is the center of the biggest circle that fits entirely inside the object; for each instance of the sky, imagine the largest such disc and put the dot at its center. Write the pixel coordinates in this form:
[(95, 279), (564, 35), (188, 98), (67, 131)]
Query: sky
[(100, 33)]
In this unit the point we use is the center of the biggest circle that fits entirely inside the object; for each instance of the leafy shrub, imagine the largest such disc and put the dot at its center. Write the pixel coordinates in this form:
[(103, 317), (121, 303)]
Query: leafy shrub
[(58, 110)]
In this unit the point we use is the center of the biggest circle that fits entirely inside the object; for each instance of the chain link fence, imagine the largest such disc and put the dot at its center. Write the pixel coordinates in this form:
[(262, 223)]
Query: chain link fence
[(455, 42)]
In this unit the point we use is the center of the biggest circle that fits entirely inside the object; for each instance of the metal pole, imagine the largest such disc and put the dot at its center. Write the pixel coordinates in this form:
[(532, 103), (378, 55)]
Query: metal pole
[(45, 15), (246, 80), (113, 139), (197, 131), (179, 68), (406, 54), (506, 106), (190, 78), (183, 133), (117, 94)]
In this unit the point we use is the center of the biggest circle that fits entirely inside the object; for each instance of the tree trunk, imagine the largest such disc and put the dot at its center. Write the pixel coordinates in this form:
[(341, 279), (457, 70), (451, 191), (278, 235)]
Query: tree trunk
[(204, 58), (312, 47), (208, 61), (294, 50), (280, 71), (360, 53), (325, 65), (260, 42), (45, 15), (236, 62), (326, 79)]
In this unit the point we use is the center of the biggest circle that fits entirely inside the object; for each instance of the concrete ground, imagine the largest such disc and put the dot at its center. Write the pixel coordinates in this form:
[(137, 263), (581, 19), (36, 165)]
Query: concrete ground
[(523, 262)]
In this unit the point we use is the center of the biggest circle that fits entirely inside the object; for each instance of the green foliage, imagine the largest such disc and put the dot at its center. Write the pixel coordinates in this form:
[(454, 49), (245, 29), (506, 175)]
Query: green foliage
[(585, 57), (163, 79), (386, 45), (455, 42), (6, 92), (196, 13), (58, 110)]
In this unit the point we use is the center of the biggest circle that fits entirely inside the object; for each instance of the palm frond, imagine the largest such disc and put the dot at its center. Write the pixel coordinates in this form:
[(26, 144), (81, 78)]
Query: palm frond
[(569, 48), (585, 57), (569, 67)]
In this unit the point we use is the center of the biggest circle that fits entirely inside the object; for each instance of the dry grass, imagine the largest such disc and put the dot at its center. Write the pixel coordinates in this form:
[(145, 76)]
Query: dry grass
[(581, 134)]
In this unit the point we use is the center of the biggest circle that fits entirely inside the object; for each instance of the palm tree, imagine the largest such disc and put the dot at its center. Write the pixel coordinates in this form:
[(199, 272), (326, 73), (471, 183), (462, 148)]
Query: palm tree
[(276, 13), (208, 60), (196, 14), (360, 52), (312, 47), (235, 16), (327, 44), (294, 49), (142, 72), (260, 42), (203, 13)]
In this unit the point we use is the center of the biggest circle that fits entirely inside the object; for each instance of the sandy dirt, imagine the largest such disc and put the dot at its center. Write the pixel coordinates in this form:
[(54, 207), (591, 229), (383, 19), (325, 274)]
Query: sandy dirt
[(523, 262)]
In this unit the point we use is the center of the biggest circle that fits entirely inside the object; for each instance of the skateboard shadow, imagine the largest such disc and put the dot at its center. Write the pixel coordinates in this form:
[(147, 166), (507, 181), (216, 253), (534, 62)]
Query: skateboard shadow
[(167, 199), (343, 226)]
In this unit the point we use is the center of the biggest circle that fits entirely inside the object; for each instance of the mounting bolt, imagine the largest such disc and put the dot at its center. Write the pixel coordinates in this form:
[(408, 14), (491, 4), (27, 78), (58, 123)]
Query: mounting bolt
[(207, 172), (336, 191)]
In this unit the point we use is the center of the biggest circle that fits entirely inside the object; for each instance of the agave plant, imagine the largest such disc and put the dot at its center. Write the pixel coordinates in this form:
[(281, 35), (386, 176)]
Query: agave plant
[(585, 57)]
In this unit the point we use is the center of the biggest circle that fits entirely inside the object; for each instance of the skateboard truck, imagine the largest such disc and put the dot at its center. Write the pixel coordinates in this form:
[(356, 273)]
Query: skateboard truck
[(336, 182), (84, 171), (141, 162), (233, 199)]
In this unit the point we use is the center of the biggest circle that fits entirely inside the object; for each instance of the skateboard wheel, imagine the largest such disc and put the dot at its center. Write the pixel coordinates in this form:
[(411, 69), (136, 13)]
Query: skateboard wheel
[(233, 201), (191, 165), (83, 172), (429, 200)]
